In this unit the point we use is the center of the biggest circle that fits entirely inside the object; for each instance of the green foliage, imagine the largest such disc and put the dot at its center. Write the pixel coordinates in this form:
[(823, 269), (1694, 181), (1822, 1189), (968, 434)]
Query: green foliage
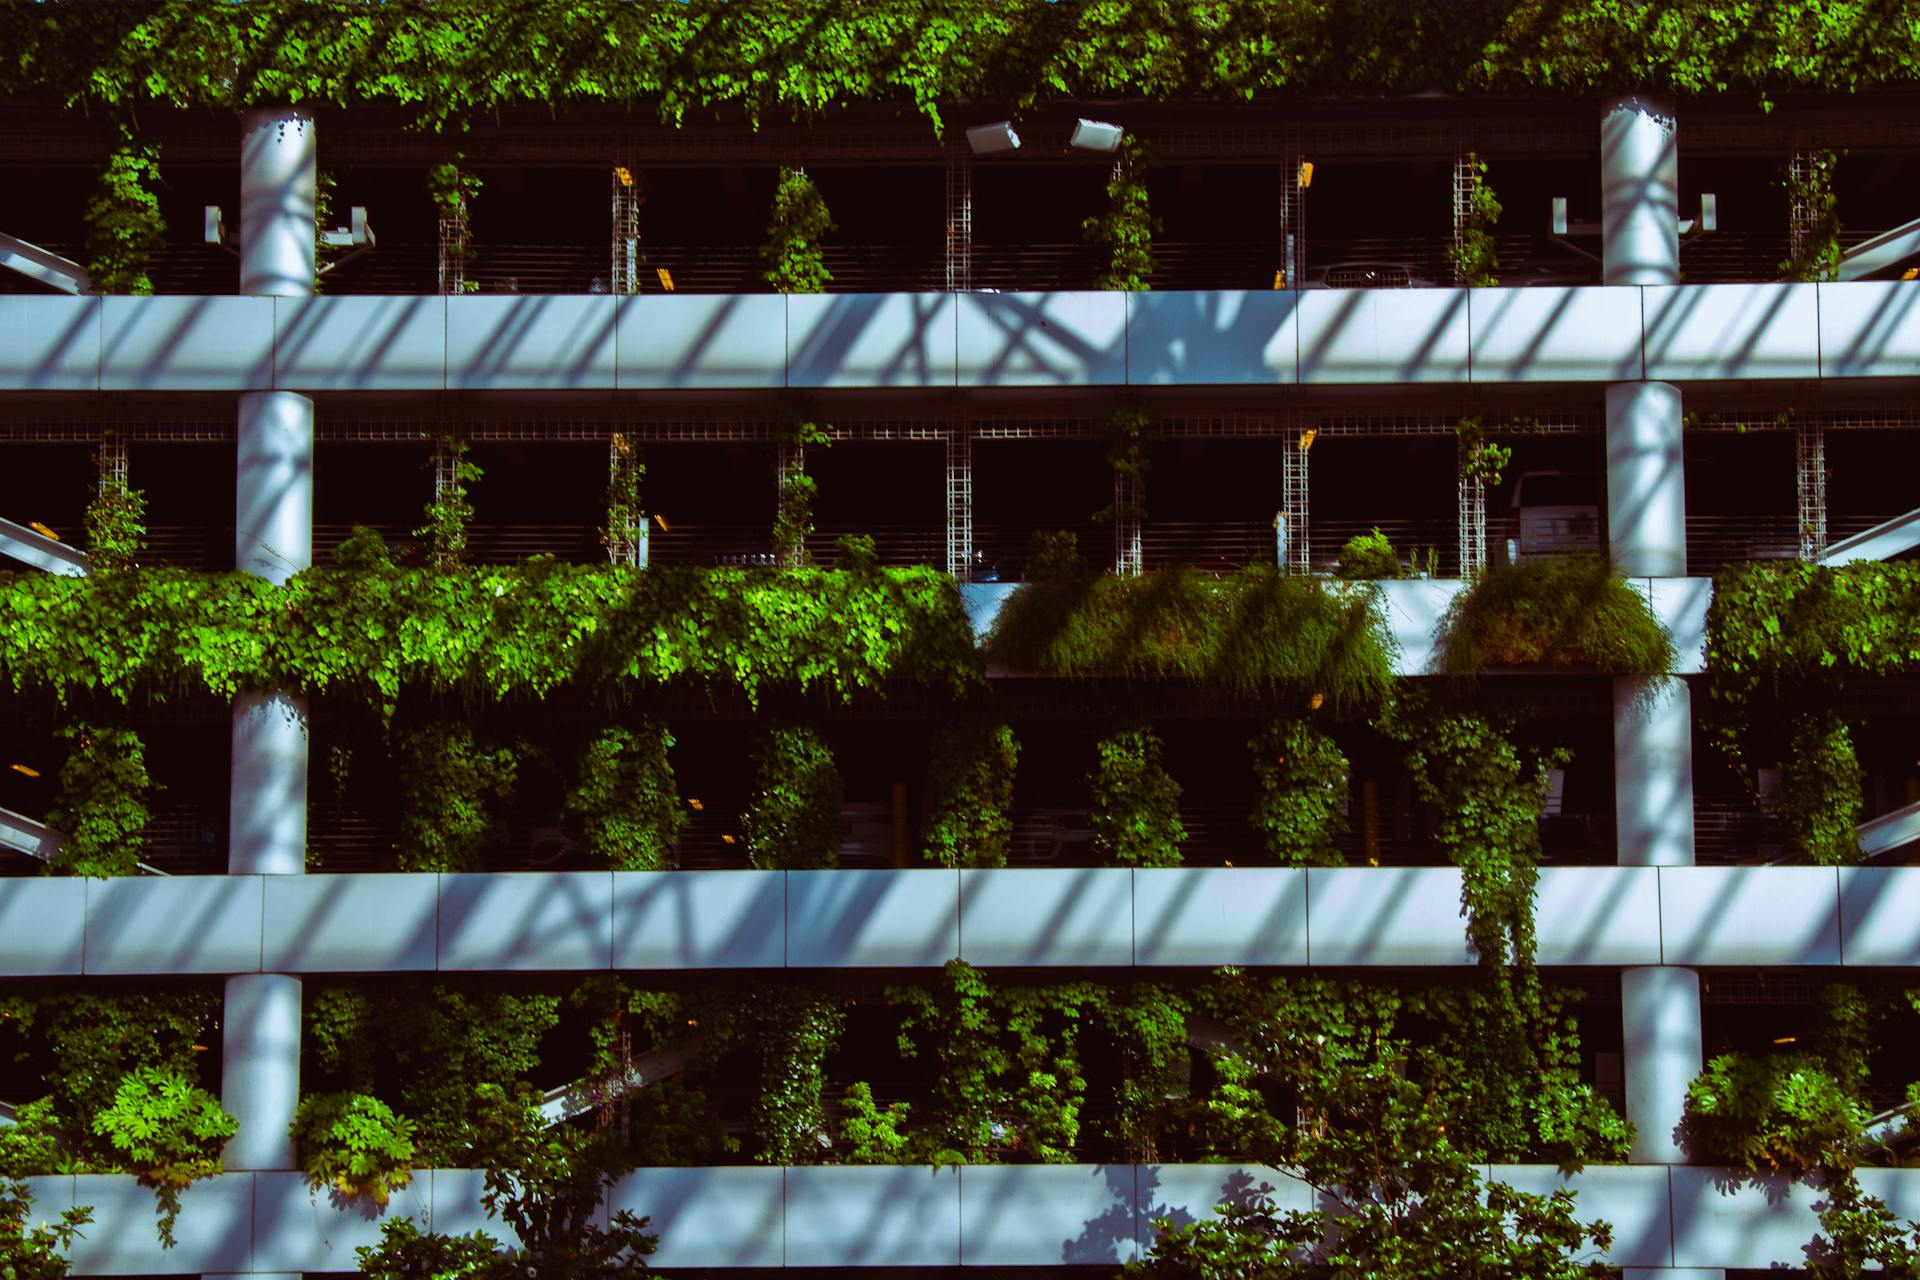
[(626, 795), (1474, 255), (36, 1252), (449, 514), (1147, 1024), (451, 186), (970, 781), (547, 1185), (793, 820), (1127, 228), (1302, 778), (1859, 1232), (1367, 557), (1560, 612), (1784, 1112), (800, 222), (446, 779), (116, 523), (1819, 257), (122, 217), (1253, 632), (354, 1143), (525, 630), (793, 519), (706, 56), (868, 1134), (1821, 790), (1480, 457), (1009, 1083), (363, 550), (626, 517), (170, 1131), (100, 808), (856, 553), (1135, 815)]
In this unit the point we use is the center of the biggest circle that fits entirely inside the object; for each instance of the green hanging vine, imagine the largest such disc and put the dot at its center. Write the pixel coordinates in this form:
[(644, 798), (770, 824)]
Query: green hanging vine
[(793, 820), (1302, 781), (1474, 255), (1136, 804), (116, 523), (449, 514), (792, 253), (100, 807), (970, 780), (122, 219), (446, 780), (626, 795), (1127, 228), (1818, 257)]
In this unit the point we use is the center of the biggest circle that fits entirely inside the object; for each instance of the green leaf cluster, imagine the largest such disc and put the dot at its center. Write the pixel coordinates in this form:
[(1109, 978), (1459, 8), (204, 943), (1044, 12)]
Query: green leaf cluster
[(1819, 257), (1302, 781), (1251, 632), (792, 822), (794, 261), (354, 1143), (625, 793), (1135, 815), (525, 630), (1367, 557), (169, 1131), (970, 781), (1474, 254), (100, 808), (1784, 1112), (449, 514), (116, 524), (1126, 230), (1559, 612), (446, 778), (122, 219)]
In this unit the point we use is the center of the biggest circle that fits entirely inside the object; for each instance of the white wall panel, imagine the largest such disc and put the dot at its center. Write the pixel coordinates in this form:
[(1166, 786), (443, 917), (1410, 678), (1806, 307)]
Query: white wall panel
[(351, 923), (699, 920), (1716, 331), (1042, 339), (455, 1207), (1880, 916), (559, 920), (1870, 329), (1208, 916), (1598, 916), (43, 926), (870, 339), (855, 919), (360, 344), (298, 1228), (1038, 1215), (1632, 1199), (1047, 916), (1726, 1219), (186, 344), (1213, 338), (174, 925), (50, 344), (1414, 609), (1750, 915), (729, 1216), (702, 340), (214, 1232), (1385, 916), (872, 1216), (1383, 335), (1581, 334), (543, 341)]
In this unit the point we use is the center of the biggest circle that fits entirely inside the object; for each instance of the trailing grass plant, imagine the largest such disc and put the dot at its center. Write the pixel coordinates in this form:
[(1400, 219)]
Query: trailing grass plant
[(1560, 612)]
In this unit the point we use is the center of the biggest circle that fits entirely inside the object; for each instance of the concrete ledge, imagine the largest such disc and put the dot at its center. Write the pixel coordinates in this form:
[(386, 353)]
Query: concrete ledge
[(935, 339), (851, 1216)]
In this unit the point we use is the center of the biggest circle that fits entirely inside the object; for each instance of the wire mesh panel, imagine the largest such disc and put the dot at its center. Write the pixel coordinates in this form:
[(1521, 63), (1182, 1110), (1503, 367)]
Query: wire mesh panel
[(1294, 180), (959, 503), (626, 230), (1810, 474), (453, 245), (1465, 182), (626, 532), (1290, 526), (959, 219), (1473, 523), (1129, 557)]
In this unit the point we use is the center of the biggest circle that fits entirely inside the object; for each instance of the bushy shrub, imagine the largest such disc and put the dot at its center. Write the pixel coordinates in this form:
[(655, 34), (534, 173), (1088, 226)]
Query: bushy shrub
[(170, 1131), (971, 780), (626, 795), (1302, 779), (355, 1144), (1569, 611), (793, 820), (1136, 803), (1785, 1112), (1366, 557)]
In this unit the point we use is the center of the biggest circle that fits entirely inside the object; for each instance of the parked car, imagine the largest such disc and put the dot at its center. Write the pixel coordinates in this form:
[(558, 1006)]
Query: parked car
[(1552, 513)]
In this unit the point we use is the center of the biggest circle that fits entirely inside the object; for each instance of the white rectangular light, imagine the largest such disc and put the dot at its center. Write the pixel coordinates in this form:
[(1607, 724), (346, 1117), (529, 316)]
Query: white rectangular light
[(1095, 135), (985, 139)]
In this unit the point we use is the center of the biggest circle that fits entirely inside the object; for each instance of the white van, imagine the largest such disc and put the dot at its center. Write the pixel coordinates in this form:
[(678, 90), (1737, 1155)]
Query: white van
[(1553, 513)]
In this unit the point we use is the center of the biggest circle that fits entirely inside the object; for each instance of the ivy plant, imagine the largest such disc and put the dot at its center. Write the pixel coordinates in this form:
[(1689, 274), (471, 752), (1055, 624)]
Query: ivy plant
[(1474, 255), (1781, 1112), (794, 262), (100, 807), (354, 1143), (793, 519), (1367, 557), (970, 781), (169, 1131), (1126, 230), (792, 821), (1301, 779), (1818, 257), (1135, 815), (449, 514), (625, 794), (122, 219), (446, 780), (116, 524)]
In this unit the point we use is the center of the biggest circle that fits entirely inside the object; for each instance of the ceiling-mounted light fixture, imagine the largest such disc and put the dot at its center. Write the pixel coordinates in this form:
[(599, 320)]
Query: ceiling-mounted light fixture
[(986, 139), (1095, 135)]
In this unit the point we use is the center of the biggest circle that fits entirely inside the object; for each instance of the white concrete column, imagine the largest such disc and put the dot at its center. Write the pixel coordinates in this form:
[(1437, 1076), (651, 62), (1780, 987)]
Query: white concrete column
[(273, 537), (1653, 772), (277, 167), (260, 1069), (1646, 480), (1639, 191)]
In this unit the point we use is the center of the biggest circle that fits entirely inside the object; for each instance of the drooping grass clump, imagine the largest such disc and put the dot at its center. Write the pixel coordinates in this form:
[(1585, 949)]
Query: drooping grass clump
[(1562, 612)]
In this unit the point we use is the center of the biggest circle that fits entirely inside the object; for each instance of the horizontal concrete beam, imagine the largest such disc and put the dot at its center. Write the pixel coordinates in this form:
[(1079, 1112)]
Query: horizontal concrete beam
[(908, 1216), (1101, 917), (756, 341)]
